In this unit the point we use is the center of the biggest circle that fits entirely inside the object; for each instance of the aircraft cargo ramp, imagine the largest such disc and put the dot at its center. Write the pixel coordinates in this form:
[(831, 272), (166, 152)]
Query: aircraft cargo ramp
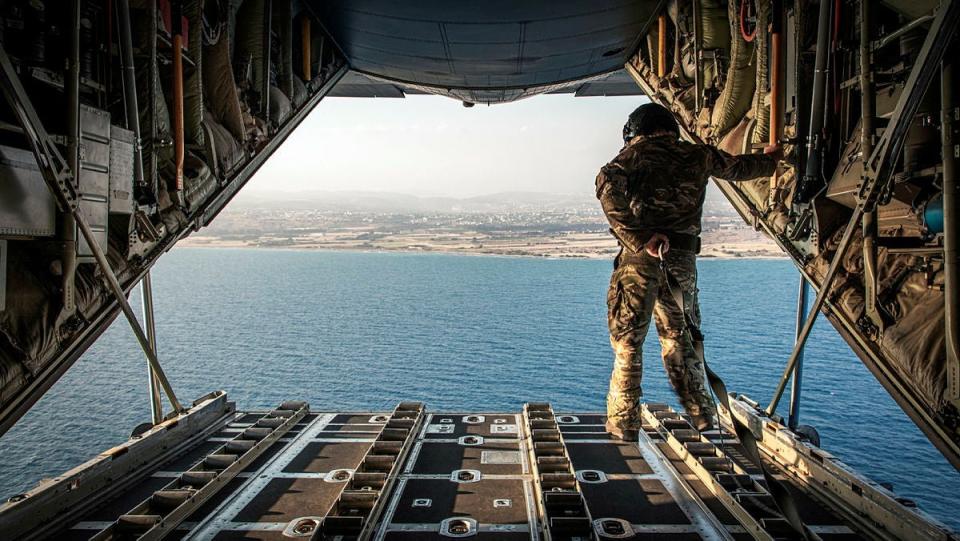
[(409, 474)]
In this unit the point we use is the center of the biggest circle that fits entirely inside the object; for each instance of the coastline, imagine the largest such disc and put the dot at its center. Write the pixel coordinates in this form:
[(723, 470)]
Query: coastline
[(734, 251)]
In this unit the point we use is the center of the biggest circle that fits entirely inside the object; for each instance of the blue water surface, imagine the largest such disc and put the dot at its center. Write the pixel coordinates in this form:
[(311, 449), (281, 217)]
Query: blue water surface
[(348, 331)]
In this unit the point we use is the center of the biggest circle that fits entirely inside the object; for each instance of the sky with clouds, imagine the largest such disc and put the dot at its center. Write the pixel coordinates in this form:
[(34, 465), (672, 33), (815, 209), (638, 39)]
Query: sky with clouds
[(430, 145)]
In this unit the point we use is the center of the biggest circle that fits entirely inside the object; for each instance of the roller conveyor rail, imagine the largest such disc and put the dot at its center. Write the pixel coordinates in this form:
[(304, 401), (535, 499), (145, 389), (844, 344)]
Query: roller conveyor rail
[(562, 507), (413, 475), (164, 510), (745, 496), (361, 502)]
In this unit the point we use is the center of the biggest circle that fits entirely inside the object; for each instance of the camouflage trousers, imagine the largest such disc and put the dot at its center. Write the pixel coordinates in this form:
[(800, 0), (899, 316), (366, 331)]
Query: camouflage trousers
[(637, 292)]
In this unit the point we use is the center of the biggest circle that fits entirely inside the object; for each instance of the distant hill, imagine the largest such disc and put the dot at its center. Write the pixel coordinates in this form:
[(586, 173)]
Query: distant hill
[(389, 202)]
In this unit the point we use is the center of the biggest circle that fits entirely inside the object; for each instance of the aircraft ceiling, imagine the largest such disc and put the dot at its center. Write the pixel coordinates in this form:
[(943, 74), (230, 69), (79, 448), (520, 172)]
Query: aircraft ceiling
[(485, 52)]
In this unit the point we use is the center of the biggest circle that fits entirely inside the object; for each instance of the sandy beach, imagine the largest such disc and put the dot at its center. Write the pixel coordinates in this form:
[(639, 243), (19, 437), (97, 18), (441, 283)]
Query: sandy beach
[(564, 245)]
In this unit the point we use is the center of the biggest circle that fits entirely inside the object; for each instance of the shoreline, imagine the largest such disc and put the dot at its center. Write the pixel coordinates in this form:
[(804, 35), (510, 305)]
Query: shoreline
[(455, 252)]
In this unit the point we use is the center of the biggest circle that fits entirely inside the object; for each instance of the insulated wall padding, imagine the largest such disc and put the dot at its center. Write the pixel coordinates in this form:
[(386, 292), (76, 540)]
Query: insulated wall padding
[(299, 96), (914, 344), (279, 106), (227, 151), (172, 217), (318, 51), (283, 27), (193, 79), (714, 26), (916, 340), (32, 326), (198, 183), (758, 190), (250, 43), (684, 68), (761, 96), (140, 24), (740, 82), (223, 101), (162, 128), (715, 35)]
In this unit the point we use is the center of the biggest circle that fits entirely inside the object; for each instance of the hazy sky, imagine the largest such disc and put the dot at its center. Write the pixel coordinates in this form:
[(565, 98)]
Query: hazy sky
[(430, 145)]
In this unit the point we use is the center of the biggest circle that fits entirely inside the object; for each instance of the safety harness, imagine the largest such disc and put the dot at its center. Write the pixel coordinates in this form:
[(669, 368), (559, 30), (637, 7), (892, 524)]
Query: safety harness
[(782, 497)]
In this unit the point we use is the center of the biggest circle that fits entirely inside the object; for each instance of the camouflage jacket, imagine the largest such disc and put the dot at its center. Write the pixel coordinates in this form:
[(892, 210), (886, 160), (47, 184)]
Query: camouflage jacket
[(658, 184)]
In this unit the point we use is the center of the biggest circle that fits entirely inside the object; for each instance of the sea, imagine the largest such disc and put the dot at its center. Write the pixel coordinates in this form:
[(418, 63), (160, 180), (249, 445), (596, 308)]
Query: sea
[(362, 331)]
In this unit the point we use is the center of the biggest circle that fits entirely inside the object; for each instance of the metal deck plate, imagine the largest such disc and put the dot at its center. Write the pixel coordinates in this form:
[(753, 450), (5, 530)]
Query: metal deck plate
[(467, 475)]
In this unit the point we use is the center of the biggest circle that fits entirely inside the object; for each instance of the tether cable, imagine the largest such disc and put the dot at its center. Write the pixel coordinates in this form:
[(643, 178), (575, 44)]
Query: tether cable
[(782, 497)]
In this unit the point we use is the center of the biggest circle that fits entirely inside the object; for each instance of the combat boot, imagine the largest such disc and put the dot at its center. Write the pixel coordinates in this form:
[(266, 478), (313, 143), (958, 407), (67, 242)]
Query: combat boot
[(701, 422), (623, 434)]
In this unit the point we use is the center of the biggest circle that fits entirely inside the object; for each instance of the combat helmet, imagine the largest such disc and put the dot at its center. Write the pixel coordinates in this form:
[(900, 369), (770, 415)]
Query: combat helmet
[(648, 119)]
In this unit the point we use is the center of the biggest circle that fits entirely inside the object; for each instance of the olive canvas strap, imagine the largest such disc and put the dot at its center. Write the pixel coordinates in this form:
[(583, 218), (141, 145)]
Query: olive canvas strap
[(782, 497)]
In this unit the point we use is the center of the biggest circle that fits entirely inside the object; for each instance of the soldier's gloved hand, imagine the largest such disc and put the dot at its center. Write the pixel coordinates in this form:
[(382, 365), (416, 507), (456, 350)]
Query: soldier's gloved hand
[(652, 246), (775, 152)]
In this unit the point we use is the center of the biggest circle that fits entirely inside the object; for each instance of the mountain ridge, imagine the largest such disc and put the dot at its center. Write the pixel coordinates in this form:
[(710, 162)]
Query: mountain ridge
[(398, 202)]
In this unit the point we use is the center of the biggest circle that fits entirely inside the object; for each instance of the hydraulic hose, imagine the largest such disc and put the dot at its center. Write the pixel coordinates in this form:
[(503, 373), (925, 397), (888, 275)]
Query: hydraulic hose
[(661, 46), (809, 184), (178, 135), (776, 71), (130, 89)]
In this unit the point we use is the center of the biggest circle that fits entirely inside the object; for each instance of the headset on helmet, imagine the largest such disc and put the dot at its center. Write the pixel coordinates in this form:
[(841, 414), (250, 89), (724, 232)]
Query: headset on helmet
[(648, 119)]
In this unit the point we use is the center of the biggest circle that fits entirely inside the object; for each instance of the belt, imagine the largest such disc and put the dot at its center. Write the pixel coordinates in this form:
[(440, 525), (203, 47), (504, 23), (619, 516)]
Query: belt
[(678, 241), (683, 241)]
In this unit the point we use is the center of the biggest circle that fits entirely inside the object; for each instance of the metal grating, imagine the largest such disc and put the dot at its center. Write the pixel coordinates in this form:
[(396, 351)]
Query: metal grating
[(410, 475)]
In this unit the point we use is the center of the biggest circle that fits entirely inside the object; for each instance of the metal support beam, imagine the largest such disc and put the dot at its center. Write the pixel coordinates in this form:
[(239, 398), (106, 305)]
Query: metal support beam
[(892, 36), (68, 228), (129, 79), (793, 418), (146, 295), (881, 164), (811, 181), (951, 253), (56, 173), (817, 304), (267, 59), (872, 308)]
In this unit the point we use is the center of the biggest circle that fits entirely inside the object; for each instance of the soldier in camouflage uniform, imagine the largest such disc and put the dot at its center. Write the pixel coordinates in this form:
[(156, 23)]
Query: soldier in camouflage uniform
[(652, 194)]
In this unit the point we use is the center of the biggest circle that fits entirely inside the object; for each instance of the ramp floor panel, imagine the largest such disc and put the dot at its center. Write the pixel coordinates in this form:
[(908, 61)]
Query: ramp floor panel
[(319, 457), (465, 474), (455, 425), (497, 457), (285, 499), (612, 457), (638, 501), (435, 500)]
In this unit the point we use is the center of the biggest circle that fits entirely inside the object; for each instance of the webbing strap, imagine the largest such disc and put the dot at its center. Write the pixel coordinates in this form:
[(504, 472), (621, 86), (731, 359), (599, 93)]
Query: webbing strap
[(782, 497)]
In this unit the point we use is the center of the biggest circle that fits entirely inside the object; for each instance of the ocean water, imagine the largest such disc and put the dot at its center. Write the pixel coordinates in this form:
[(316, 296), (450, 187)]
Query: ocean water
[(366, 330)]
